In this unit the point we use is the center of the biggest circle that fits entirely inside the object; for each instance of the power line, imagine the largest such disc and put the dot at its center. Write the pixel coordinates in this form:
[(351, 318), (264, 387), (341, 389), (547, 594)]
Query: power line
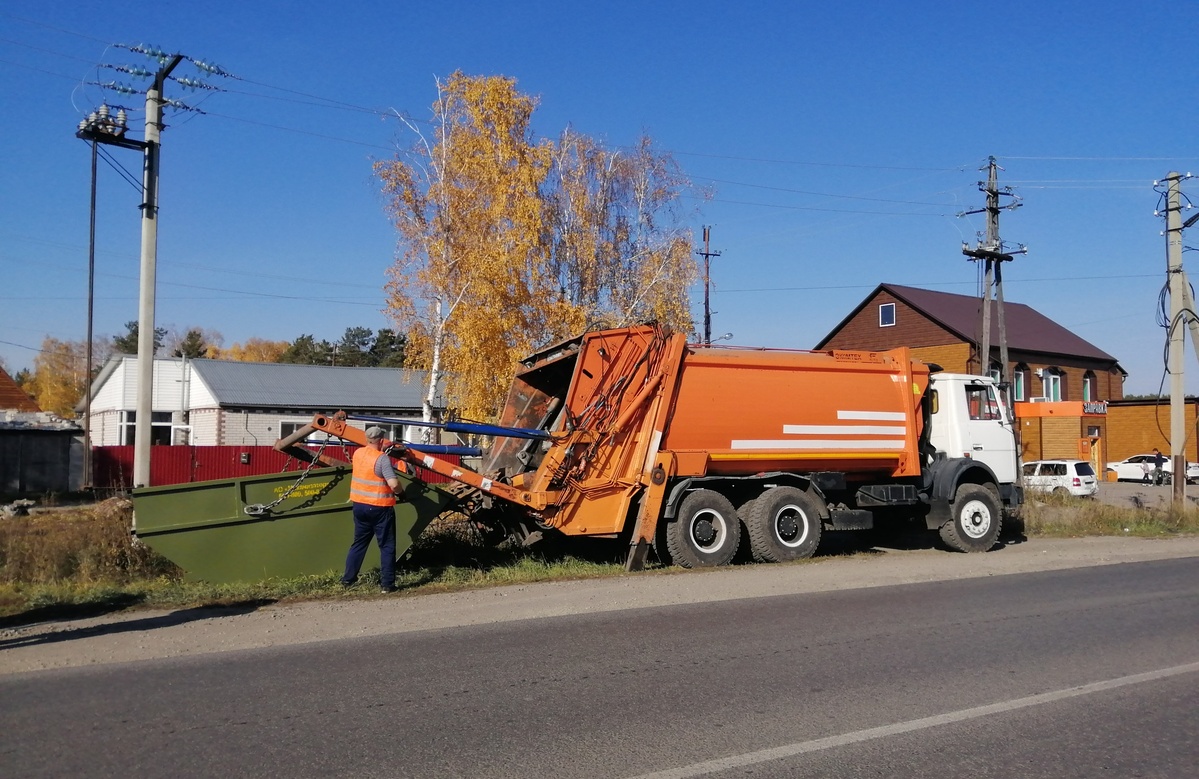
[(119, 168), (820, 194), (809, 208), (942, 283), (959, 168)]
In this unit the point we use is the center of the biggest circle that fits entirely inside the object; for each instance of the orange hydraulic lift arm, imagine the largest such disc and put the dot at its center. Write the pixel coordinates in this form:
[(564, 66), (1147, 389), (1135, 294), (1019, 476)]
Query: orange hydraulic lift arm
[(336, 425)]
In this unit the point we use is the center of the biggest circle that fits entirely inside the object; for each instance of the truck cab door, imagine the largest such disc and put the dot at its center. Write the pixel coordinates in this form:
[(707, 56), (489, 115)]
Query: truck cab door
[(988, 432)]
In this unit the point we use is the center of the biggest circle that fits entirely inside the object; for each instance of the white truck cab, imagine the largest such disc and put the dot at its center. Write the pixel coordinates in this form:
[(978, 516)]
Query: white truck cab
[(970, 419)]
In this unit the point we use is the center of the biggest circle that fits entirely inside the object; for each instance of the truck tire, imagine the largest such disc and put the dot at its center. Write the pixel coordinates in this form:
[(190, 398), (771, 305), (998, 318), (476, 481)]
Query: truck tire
[(784, 524), (976, 520), (705, 532)]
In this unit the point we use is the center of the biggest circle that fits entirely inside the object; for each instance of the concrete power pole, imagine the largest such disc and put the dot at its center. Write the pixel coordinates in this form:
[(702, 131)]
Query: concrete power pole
[(1179, 311), (149, 262), (707, 254), (990, 251)]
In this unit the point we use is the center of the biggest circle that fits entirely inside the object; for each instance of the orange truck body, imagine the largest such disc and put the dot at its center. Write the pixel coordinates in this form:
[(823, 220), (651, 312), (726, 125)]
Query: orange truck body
[(641, 399), (680, 446)]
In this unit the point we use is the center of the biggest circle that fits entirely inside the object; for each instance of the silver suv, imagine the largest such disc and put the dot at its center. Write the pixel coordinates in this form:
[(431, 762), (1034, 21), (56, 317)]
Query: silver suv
[(1076, 477)]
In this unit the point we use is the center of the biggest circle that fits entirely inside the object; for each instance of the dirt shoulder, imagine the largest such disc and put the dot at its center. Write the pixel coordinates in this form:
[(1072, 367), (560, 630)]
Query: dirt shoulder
[(144, 635)]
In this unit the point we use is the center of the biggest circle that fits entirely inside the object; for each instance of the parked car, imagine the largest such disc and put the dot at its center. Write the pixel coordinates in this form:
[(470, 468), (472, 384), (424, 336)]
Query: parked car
[(1076, 477), (1133, 469)]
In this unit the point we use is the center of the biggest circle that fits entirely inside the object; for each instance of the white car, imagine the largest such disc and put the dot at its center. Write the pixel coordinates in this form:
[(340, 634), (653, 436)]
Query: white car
[(1076, 477), (1133, 469)]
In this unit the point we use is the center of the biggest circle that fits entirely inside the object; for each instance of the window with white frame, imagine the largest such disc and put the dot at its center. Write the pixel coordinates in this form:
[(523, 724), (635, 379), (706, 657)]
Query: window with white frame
[(1089, 386), (1020, 382), (289, 428), (1051, 384), (160, 428), (886, 315)]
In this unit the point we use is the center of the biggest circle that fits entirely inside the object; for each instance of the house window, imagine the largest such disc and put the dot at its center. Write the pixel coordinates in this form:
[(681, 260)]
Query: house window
[(995, 372), (1089, 386), (160, 428), (315, 437), (886, 315), (392, 432), (1020, 383), (1051, 382)]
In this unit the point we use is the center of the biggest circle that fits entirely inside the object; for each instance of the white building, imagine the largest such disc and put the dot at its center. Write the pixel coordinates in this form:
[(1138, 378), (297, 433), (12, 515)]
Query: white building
[(229, 403)]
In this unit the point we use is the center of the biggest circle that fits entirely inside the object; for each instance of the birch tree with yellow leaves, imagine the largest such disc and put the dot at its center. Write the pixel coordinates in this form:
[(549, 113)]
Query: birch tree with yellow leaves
[(465, 202), (619, 252), (507, 242)]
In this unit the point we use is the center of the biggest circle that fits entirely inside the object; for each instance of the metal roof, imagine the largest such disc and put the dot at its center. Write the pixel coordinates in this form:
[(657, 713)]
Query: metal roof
[(283, 385), (1027, 329)]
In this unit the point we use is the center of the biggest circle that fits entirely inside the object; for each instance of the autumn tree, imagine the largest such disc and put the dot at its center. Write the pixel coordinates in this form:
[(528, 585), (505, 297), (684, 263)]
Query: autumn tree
[(619, 252), (466, 204), (252, 350), (507, 242), (60, 376)]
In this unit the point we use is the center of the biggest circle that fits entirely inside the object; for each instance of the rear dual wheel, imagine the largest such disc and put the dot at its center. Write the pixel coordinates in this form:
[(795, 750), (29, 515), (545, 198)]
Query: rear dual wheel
[(705, 532), (783, 524)]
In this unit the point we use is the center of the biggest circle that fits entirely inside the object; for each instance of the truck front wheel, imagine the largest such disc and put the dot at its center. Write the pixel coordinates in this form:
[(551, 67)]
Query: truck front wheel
[(783, 524), (976, 520), (705, 532)]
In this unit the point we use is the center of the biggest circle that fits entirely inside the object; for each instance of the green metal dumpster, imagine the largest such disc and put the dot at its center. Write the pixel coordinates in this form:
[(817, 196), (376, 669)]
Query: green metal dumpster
[(203, 527)]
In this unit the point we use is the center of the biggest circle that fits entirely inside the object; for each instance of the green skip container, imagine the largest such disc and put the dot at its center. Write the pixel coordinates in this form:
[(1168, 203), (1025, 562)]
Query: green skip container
[(204, 528)]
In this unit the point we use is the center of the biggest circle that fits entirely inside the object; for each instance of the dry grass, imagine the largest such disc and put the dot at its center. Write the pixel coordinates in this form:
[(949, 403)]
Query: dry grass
[(1064, 516), (80, 546)]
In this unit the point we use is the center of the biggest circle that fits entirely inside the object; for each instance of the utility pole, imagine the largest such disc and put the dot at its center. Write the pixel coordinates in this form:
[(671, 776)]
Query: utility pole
[(100, 127), (990, 251), (1182, 309), (149, 265), (707, 254), (108, 133)]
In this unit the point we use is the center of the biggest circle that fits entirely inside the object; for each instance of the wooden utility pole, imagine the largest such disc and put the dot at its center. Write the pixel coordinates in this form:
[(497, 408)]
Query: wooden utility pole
[(990, 251), (707, 254)]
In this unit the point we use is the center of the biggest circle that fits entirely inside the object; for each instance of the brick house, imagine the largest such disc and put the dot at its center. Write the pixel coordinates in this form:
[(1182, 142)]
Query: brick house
[(1061, 384)]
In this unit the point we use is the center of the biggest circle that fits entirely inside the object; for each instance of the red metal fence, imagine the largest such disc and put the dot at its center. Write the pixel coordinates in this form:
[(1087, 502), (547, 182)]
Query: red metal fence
[(112, 466)]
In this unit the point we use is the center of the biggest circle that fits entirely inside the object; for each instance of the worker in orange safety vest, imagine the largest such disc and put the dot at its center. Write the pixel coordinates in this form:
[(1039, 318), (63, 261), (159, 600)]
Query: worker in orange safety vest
[(373, 485)]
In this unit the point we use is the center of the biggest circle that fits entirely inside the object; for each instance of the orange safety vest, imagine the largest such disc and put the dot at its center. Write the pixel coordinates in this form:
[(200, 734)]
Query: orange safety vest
[(365, 486)]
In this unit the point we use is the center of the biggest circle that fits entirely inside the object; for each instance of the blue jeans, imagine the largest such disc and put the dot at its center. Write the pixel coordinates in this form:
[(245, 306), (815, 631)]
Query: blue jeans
[(380, 522)]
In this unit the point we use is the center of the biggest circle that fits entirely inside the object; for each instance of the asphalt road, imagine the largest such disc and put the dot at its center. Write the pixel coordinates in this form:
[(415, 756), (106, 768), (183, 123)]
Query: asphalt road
[(1072, 673)]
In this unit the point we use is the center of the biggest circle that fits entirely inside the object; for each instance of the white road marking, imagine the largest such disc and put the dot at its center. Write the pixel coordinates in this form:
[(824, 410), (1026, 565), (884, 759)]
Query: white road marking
[(829, 742)]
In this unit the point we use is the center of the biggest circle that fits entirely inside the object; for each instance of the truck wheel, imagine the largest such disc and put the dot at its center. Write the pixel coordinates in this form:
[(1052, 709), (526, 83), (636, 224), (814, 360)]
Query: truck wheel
[(705, 532), (784, 524), (976, 520)]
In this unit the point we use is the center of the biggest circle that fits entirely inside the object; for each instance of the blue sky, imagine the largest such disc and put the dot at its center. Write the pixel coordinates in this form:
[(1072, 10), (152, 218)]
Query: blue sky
[(841, 141)]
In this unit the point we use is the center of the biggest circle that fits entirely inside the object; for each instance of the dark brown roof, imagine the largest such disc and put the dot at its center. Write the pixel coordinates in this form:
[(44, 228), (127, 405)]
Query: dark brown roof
[(1027, 329), (12, 397)]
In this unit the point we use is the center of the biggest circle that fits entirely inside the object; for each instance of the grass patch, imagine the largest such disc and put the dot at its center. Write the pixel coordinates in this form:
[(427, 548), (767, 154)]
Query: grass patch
[(1065, 516), (80, 562)]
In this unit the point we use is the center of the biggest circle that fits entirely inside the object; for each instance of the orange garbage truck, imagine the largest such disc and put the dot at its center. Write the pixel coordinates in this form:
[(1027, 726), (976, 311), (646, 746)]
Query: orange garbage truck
[(634, 433)]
